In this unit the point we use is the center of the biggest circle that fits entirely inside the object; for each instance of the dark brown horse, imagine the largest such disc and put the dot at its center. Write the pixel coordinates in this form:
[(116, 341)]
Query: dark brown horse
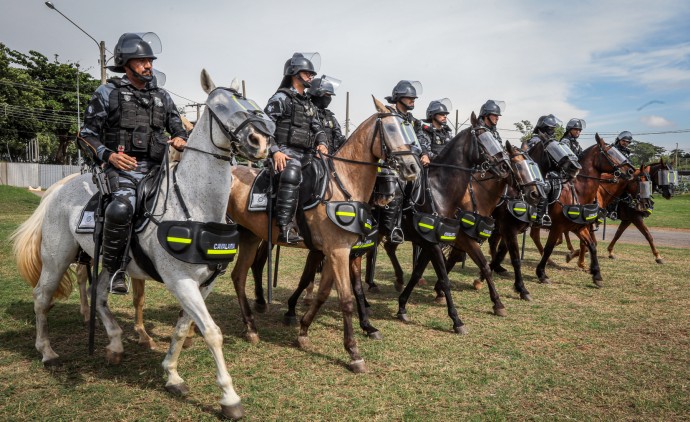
[(595, 160), (634, 193), (379, 137), (659, 174)]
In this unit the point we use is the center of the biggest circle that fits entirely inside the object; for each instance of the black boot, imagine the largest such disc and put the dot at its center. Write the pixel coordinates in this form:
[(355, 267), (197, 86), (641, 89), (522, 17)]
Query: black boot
[(116, 230), (286, 204)]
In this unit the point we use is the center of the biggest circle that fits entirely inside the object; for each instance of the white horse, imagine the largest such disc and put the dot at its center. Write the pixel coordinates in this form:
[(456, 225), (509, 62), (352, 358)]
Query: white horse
[(46, 243)]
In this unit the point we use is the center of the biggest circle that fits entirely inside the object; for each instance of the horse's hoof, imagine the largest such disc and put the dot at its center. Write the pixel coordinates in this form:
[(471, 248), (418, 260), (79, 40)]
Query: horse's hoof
[(568, 257), (303, 342), (477, 284), (500, 312), (526, 296), (502, 272), (612, 256), (290, 320), (403, 317), (188, 341), (374, 289), (52, 363), (659, 261), (234, 412), (178, 389), (598, 282), (260, 308), (545, 280), (252, 338), (151, 345), (113, 358), (440, 299), (462, 330), (421, 282), (375, 335), (583, 268), (398, 287), (358, 366)]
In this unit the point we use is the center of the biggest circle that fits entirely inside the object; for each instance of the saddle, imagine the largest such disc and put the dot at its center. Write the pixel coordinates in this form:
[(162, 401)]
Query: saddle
[(147, 197), (311, 190)]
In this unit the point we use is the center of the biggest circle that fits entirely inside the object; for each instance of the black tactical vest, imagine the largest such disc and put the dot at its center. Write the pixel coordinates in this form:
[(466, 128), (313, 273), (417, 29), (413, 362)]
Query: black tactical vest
[(136, 122), (328, 123), (439, 138), (295, 130), (573, 144)]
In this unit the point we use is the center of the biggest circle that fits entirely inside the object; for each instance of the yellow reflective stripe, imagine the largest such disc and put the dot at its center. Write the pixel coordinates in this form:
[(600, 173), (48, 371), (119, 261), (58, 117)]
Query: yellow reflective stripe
[(426, 226), (574, 212), (519, 209), (485, 234), (365, 245), (366, 225), (471, 223), (254, 104), (447, 237), (184, 240), (345, 213), (591, 217), (221, 251), (238, 103), (533, 217)]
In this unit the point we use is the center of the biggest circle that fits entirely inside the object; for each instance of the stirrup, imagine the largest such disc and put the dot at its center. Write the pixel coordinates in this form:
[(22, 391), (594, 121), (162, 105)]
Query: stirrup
[(118, 289), (546, 220), (290, 236), (397, 236)]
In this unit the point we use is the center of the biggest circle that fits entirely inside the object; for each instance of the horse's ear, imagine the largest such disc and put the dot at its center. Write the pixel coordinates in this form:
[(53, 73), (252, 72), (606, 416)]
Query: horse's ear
[(600, 140), (509, 147), (235, 85), (473, 119), (379, 105), (206, 82)]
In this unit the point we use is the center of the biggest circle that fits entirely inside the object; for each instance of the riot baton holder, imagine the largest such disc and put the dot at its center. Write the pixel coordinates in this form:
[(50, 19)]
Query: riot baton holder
[(269, 207), (101, 181)]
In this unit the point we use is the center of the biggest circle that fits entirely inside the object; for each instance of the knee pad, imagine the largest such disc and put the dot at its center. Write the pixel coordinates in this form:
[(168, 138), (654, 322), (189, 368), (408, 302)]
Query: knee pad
[(119, 211), (292, 174)]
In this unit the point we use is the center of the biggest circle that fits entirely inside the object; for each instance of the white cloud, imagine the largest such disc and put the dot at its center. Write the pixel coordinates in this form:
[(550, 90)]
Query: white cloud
[(656, 121)]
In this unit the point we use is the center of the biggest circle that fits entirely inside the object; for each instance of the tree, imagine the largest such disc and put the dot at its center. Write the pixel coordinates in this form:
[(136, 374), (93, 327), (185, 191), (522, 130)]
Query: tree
[(525, 127), (644, 152), (40, 100)]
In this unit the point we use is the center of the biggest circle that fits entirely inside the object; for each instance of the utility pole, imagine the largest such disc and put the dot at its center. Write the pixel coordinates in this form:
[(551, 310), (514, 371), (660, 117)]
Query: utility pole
[(676, 154), (456, 120), (78, 117), (347, 114), (244, 90)]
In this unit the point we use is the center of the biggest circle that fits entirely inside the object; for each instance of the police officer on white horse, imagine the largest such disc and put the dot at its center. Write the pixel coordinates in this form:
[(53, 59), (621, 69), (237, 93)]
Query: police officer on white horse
[(298, 132), (125, 129)]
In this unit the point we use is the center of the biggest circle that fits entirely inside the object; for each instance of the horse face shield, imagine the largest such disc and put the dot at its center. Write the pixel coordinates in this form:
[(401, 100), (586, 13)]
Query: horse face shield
[(234, 112), (618, 157), (645, 190), (667, 178), (528, 174), (396, 129)]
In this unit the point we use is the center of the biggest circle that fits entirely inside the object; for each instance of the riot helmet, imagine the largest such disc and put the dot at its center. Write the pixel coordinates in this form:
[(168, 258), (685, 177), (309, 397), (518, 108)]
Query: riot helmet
[(442, 106), (322, 89), (547, 124), (492, 107), (624, 136), (300, 62), (135, 46), (404, 88), (575, 124)]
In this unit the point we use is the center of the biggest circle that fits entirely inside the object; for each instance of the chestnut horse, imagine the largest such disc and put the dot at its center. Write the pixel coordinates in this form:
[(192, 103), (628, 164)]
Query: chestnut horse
[(354, 166), (595, 160)]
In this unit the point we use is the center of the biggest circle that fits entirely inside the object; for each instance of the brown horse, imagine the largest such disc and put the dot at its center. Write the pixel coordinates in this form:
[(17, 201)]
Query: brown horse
[(595, 160), (379, 137), (611, 190), (629, 215)]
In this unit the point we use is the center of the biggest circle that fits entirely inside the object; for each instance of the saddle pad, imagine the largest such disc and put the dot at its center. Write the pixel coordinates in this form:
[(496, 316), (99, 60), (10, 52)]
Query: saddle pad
[(311, 191)]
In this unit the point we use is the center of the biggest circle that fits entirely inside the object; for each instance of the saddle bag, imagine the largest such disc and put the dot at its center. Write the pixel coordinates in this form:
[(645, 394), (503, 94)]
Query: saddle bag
[(364, 244), (195, 242), (434, 228), (354, 217), (522, 211), (476, 226), (581, 214)]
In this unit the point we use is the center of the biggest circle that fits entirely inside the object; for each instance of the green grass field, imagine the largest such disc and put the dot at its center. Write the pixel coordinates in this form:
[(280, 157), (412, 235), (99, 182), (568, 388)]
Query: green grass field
[(575, 352)]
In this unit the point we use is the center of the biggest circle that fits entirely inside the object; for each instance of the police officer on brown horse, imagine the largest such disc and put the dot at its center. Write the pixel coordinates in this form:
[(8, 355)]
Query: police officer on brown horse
[(321, 92), (125, 128), (623, 141), (435, 133), (298, 131), (572, 131)]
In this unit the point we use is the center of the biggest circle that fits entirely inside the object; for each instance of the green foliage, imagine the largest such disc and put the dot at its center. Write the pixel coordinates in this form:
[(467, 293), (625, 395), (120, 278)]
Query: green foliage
[(525, 127), (38, 100), (644, 152)]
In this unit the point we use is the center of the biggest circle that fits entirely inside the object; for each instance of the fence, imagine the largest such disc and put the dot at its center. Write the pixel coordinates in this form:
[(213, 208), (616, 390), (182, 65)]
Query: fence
[(33, 174)]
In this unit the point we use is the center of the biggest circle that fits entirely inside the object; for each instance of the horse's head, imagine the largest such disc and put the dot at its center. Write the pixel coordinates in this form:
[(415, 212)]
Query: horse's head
[(639, 188), (527, 176), (560, 156), (486, 151), (664, 178), (242, 128), (612, 161), (396, 141)]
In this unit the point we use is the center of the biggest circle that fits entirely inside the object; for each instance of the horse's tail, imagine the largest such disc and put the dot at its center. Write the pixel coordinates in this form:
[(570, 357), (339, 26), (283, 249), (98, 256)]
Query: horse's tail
[(27, 247)]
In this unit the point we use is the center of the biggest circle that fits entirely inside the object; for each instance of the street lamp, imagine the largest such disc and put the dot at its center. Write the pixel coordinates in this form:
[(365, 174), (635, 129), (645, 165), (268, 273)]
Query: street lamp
[(101, 45)]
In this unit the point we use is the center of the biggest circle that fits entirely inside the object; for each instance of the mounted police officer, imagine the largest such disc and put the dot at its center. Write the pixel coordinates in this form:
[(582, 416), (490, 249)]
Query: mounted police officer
[(298, 131), (544, 130), (489, 115), (622, 143), (435, 133), (125, 128), (321, 92), (572, 132)]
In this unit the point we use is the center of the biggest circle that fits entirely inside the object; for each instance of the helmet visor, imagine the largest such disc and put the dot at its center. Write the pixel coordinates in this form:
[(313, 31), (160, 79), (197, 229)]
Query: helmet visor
[(314, 58), (131, 44)]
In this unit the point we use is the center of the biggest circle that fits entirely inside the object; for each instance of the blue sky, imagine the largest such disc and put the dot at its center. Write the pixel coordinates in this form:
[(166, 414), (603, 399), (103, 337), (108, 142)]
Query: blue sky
[(597, 60)]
